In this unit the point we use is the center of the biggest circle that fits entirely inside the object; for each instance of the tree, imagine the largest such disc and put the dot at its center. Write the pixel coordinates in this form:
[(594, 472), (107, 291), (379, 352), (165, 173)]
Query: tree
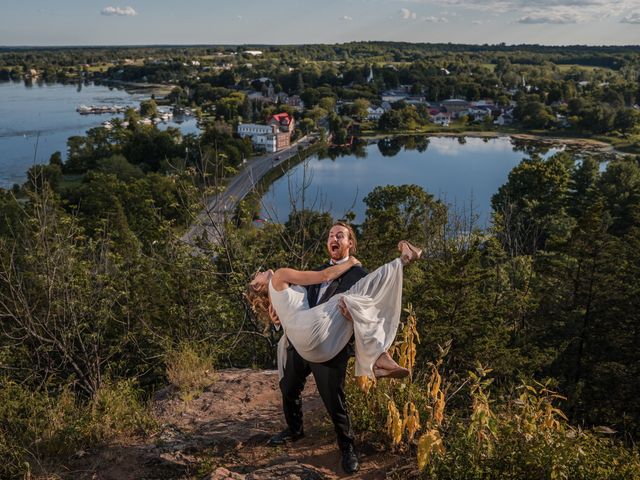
[(390, 120), (597, 117), (327, 103), (533, 113), (38, 175), (360, 107), (582, 186), (619, 186), (299, 88), (178, 96), (395, 212), (626, 120), (63, 305), (530, 208), (148, 108), (246, 110)]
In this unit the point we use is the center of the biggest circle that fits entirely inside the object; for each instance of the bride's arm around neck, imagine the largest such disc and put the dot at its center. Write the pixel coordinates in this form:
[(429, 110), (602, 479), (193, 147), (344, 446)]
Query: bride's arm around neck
[(283, 277)]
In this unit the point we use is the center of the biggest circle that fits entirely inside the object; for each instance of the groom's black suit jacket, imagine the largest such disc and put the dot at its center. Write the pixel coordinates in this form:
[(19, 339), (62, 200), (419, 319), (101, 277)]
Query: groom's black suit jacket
[(339, 285)]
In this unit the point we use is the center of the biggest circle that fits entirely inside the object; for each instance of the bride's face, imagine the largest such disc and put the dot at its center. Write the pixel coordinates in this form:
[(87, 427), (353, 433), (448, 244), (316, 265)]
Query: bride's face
[(261, 280)]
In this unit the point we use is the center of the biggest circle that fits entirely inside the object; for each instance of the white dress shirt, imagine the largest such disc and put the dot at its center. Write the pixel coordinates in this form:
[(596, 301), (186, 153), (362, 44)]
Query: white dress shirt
[(325, 285)]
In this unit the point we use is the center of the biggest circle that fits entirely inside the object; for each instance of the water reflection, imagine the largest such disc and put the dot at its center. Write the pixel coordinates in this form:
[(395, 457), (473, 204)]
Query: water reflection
[(464, 174)]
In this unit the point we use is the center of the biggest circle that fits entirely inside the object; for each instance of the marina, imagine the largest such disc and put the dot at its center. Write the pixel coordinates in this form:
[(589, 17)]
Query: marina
[(101, 109)]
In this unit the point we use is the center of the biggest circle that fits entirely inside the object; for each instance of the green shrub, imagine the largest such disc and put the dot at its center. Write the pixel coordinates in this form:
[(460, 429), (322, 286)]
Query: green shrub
[(189, 368), (118, 411), (36, 425), (522, 437)]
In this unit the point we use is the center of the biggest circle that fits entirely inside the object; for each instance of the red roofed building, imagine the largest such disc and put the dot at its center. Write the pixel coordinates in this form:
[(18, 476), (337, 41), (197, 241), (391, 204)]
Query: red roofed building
[(284, 124), (273, 136)]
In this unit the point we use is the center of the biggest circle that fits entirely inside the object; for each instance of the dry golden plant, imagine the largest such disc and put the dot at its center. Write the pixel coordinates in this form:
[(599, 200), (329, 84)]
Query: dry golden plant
[(189, 369), (394, 423), (410, 423), (483, 420)]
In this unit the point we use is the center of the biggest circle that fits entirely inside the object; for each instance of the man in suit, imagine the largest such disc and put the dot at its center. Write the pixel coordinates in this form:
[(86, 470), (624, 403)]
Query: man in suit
[(329, 376)]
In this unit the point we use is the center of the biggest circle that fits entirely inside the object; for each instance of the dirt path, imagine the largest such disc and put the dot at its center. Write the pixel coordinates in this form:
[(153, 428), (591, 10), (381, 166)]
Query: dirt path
[(222, 434)]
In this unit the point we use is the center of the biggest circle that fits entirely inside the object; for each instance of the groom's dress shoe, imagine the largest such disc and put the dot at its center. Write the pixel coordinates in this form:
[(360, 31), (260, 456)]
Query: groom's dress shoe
[(285, 436), (350, 462)]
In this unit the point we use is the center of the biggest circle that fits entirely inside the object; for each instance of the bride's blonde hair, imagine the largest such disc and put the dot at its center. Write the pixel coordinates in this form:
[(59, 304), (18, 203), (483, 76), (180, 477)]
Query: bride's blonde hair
[(258, 300)]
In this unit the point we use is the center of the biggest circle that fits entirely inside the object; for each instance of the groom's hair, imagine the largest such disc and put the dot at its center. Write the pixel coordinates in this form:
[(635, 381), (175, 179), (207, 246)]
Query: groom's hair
[(352, 235)]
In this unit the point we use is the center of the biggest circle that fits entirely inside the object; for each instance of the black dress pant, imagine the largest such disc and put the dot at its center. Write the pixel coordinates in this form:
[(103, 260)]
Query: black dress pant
[(329, 378)]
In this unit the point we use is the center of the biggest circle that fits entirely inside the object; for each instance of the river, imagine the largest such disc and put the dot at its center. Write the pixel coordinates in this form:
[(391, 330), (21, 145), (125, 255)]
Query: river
[(462, 172), (36, 119)]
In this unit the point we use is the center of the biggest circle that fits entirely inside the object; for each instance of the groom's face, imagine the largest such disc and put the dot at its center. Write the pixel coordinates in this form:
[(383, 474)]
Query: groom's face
[(338, 242)]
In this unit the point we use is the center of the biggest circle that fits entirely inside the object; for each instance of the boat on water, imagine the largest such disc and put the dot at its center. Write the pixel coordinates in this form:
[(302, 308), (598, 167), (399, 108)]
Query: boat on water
[(100, 109)]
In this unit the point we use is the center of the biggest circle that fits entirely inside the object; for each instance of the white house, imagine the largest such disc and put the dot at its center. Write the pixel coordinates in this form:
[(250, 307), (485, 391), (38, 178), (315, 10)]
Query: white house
[(251, 129), (262, 136), (479, 114), (441, 118), (374, 113)]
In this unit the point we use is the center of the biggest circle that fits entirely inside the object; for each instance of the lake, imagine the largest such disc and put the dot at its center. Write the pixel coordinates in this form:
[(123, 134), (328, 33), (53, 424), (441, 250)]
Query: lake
[(462, 172), (45, 115)]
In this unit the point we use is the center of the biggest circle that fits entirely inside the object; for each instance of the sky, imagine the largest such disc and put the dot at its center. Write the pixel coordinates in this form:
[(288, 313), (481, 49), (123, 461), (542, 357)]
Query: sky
[(158, 22)]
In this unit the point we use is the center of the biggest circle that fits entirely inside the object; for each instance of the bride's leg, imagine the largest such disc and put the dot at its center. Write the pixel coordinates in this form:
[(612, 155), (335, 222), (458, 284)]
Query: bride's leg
[(408, 253), (375, 303), (386, 366), (388, 274)]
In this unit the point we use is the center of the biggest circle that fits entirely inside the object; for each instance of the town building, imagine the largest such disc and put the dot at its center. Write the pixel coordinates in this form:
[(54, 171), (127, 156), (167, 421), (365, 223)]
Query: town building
[(441, 118), (374, 113), (272, 137), (455, 106)]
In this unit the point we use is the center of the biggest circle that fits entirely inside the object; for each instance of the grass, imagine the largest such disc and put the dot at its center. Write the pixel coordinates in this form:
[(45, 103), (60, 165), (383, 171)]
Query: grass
[(627, 144), (189, 368), (100, 67), (588, 68)]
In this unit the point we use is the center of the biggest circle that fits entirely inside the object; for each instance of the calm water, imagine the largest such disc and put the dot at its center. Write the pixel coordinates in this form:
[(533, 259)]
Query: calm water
[(45, 115), (463, 173)]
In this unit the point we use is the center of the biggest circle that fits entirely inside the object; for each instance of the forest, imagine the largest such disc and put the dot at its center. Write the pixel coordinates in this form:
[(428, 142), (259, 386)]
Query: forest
[(572, 90)]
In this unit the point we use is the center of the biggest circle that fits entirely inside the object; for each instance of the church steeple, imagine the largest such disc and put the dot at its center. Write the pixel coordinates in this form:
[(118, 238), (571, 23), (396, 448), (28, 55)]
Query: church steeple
[(370, 76)]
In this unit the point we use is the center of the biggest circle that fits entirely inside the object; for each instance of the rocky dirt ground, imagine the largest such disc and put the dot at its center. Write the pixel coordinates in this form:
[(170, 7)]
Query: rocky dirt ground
[(222, 434)]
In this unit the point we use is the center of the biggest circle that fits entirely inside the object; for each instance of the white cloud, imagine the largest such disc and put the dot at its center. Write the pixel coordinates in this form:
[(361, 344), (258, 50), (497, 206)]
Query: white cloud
[(633, 17), (346, 18), (119, 11), (556, 15), (408, 14), (551, 11), (432, 19)]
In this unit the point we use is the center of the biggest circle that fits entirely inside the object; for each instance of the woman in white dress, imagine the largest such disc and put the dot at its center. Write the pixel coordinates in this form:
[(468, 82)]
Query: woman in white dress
[(319, 333)]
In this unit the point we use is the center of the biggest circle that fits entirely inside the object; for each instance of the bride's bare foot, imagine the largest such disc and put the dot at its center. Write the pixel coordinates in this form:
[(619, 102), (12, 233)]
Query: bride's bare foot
[(386, 366), (408, 253)]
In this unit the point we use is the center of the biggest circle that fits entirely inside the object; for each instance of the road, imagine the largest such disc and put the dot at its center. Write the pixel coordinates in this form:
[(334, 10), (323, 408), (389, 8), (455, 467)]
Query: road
[(210, 220)]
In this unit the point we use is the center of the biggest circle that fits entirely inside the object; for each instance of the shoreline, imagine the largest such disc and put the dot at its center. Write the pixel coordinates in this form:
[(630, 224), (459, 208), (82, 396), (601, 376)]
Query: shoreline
[(586, 144)]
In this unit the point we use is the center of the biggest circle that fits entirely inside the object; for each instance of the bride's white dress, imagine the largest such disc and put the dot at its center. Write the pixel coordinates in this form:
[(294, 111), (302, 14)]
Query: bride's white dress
[(320, 333)]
